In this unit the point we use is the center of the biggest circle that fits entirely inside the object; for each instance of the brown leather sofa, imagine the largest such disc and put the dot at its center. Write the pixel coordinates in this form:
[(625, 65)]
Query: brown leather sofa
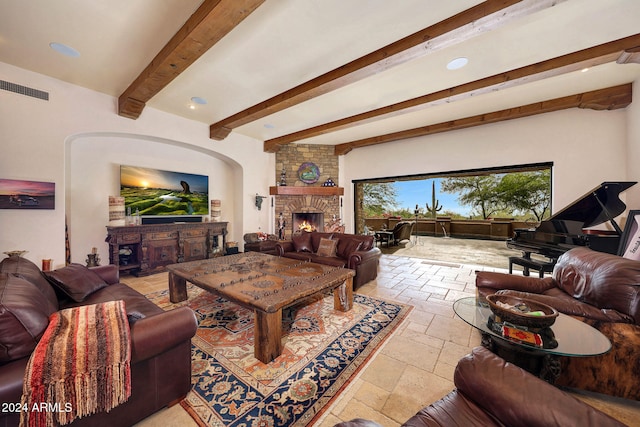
[(602, 290), (351, 251), (160, 341), (492, 392)]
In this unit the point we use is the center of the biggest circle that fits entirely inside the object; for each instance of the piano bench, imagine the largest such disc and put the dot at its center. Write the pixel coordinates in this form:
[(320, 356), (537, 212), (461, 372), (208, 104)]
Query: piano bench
[(531, 264)]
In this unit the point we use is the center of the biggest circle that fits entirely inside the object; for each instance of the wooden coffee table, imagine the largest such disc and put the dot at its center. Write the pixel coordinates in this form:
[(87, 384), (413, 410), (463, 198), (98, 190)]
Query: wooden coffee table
[(265, 284)]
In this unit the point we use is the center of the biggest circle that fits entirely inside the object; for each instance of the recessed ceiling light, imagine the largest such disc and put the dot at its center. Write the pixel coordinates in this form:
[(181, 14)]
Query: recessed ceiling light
[(191, 106), (584, 70), (198, 100), (64, 49), (457, 63)]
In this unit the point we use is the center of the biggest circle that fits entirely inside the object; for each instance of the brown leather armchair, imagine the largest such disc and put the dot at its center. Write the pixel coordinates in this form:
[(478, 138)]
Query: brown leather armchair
[(492, 392), (252, 243), (602, 290), (160, 341)]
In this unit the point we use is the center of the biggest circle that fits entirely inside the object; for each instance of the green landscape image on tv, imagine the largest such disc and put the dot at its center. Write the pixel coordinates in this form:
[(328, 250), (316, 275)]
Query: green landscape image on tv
[(153, 192)]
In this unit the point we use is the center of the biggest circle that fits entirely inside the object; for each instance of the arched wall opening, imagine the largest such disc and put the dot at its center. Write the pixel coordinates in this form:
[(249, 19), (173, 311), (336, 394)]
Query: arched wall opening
[(92, 174)]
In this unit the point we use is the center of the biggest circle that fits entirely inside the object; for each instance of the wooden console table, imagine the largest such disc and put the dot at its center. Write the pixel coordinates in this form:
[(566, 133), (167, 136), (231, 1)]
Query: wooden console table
[(147, 249)]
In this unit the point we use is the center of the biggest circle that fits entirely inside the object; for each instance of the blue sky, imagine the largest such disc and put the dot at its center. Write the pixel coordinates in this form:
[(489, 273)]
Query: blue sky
[(411, 193)]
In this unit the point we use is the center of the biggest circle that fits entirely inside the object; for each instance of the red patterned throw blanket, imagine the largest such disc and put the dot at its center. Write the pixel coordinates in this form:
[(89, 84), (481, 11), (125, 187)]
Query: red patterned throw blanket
[(80, 366)]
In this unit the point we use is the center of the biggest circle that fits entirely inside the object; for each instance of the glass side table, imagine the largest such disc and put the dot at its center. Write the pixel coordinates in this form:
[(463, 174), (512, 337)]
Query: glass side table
[(574, 339)]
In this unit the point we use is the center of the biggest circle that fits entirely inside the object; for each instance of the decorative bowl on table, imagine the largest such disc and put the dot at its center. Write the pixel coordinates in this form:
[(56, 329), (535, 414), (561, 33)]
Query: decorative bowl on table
[(521, 312)]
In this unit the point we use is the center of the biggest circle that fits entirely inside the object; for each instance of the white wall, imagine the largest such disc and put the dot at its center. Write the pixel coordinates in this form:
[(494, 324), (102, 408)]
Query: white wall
[(66, 140), (94, 168), (586, 147), (76, 138), (633, 147)]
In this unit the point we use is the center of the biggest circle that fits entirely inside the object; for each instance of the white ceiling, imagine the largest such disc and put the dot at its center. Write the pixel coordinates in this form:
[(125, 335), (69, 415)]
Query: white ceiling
[(287, 42)]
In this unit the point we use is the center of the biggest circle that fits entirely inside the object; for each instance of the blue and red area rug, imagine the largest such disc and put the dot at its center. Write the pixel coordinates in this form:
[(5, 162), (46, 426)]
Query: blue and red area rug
[(323, 350)]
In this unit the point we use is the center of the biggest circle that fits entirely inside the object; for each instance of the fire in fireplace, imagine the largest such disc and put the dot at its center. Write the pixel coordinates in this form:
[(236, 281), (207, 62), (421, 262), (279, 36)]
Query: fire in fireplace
[(307, 221)]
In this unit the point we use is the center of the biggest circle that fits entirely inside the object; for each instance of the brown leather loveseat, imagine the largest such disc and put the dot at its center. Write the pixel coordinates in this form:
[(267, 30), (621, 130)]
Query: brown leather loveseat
[(492, 392), (160, 341), (600, 289), (340, 250)]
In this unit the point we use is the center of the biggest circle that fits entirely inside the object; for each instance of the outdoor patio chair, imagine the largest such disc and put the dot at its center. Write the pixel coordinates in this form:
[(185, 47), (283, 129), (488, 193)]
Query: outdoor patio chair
[(402, 231)]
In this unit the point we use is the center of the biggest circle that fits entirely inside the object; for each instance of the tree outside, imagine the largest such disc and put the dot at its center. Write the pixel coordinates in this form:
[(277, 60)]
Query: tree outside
[(379, 199), (521, 195)]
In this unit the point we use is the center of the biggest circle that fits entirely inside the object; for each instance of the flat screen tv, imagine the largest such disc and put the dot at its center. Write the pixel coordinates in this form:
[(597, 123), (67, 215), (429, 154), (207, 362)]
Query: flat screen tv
[(154, 192)]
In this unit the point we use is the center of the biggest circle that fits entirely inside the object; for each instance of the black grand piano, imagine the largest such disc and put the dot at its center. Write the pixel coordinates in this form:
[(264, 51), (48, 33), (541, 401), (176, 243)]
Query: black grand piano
[(568, 228)]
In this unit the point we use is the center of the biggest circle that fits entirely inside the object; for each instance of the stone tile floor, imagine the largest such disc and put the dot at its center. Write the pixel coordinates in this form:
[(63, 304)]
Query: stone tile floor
[(415, 366)]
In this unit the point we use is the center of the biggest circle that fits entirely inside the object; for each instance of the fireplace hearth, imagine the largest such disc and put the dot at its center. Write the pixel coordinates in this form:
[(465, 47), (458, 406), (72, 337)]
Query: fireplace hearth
[(307, 221)]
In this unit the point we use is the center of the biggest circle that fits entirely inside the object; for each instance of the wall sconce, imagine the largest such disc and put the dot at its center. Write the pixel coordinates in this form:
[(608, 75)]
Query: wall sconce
[(259, 201)]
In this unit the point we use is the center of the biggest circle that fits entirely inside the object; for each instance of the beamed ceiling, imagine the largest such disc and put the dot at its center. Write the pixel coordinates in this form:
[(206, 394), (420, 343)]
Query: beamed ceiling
[(346, 73)]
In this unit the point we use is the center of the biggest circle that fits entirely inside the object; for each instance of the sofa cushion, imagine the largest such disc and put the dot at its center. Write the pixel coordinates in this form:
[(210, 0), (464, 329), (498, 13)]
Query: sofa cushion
[(302, 242), (367, 242), (315, 239), (31, 272), (327, 247), (136, 304), (76, 281), (303, 256), (24, 316), (603, 280), (327, 260), (347, 246)]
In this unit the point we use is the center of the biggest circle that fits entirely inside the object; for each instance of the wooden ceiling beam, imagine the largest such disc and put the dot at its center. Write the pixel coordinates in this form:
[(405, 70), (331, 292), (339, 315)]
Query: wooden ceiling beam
[(209, 23), (604, 99), (630, 56), (622, 51), (472, 22)]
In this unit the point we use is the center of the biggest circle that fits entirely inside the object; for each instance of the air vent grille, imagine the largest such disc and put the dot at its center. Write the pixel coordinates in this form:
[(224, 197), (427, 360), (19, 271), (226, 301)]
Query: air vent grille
[(24, 90)]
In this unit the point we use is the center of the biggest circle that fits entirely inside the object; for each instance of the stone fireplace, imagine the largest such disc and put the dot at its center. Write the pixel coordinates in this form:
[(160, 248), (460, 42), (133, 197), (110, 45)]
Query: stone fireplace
[(310, 202)]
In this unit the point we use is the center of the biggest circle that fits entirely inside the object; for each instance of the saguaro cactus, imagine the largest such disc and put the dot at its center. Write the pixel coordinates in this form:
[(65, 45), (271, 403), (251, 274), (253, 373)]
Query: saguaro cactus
[(435, 204)]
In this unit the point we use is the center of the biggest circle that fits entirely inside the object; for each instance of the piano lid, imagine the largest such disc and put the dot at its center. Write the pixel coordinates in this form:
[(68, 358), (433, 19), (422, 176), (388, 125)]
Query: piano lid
[(599, 205)]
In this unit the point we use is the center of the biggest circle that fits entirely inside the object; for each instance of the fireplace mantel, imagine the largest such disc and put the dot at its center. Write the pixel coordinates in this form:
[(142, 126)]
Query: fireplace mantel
[(285, 190)]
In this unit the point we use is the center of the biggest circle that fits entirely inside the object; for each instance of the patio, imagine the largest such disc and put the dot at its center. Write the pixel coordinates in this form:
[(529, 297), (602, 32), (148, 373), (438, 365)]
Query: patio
[(451, 250)]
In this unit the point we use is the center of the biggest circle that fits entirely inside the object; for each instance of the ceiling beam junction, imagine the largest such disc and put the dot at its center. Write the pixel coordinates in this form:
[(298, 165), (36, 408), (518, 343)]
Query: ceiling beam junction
[(205, 27), (624, 50), (480, 19), (604, 99)]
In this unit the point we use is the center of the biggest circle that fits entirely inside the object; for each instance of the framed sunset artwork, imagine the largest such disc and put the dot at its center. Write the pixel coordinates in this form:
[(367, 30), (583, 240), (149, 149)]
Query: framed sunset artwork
[(21, 194)]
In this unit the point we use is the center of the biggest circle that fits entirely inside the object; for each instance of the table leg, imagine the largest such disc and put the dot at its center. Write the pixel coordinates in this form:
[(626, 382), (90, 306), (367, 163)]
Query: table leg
[(177, 288), (487, 342), (343, 296), (267, 335), (550, 370)]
